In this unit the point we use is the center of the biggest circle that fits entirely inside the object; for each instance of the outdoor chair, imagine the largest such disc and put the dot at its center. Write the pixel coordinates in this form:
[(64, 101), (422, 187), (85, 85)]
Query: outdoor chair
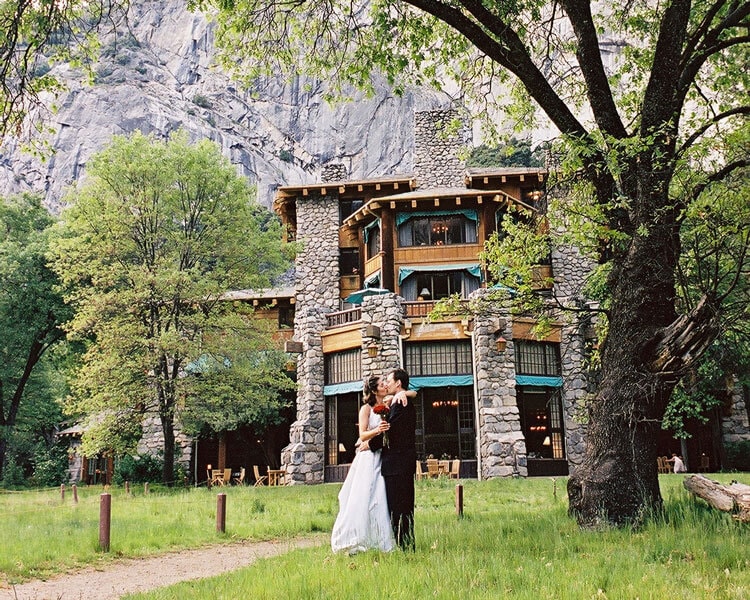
[(208, 475), (217, 477), (259, 479), (433, 468), (227, 478), (455, 469), (241, 478), (662, 462), (420, 474)]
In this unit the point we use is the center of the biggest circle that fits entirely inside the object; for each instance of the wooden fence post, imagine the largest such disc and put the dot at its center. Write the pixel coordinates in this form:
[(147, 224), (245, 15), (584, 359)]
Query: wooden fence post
[(460, 500), (221, 512), (75, 494), (62, 492), (105, 518)]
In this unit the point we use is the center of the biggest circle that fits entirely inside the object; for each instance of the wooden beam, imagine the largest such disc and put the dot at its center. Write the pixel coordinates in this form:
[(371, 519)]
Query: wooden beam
[(304, 192), (393, 204), (342, 189), (414, 204), (377, 187), (359, 187), (458, 200), (323, 191), (395, 185), (437, 201)]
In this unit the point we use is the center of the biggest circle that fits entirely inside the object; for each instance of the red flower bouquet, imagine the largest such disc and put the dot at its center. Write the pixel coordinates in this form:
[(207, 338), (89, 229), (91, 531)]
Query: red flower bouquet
[(383, 411)]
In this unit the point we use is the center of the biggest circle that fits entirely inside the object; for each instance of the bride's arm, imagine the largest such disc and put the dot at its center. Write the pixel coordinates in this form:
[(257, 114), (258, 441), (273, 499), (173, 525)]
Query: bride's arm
[(401, 397), (366, 434)]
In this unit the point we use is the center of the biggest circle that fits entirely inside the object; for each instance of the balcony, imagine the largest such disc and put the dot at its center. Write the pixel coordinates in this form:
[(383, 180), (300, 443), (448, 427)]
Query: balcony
[(341, 318)]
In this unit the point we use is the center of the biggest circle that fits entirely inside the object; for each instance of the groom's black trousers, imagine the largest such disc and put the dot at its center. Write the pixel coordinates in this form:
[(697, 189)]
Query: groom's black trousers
[(399, 489)]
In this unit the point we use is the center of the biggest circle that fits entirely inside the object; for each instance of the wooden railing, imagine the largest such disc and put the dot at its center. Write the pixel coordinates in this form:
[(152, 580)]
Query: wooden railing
[(343, 317), (422, 308)]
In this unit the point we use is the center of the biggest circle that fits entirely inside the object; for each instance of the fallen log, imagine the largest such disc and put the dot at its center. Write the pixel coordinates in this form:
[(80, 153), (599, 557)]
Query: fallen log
[(733, 498)]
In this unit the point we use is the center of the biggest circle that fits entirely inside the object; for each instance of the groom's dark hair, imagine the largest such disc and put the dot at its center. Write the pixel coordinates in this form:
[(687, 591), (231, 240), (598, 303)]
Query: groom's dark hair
[(402, 376)]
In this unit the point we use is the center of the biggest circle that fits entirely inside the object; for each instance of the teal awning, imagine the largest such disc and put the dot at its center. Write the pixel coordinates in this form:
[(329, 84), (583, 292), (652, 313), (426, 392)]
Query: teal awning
[(373, 280), (404, 272), (343, 388), (469, 213), (417, 383), (539, 380), (369, 226)]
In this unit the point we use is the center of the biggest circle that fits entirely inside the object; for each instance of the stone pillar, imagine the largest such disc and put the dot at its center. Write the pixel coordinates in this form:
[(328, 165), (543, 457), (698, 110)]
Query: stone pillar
[(735, 423), (386, 313), (334, 172), (574, 391), (317, 293), (502, 447), (437, 148)]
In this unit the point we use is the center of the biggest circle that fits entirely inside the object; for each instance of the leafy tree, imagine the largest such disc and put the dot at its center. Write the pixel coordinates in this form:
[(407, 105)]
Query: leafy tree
[(36, 35), (643, 137), (31, 313), (516, 153), (153, 238)]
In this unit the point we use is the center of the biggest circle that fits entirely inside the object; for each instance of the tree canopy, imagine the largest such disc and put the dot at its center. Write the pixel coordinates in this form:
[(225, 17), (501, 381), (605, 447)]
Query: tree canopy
[(34, 37), (31, 308), (651, 103), (154, 237)]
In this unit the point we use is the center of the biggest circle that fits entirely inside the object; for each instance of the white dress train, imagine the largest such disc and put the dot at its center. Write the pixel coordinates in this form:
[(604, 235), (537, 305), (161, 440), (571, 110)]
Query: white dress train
[(363, 522)]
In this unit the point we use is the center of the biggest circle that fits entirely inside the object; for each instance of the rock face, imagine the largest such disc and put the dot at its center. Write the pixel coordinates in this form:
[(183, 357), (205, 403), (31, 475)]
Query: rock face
[(160, 76)]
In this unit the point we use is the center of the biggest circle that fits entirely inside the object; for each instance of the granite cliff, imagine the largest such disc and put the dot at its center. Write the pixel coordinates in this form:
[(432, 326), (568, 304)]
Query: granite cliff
[(158, 75)]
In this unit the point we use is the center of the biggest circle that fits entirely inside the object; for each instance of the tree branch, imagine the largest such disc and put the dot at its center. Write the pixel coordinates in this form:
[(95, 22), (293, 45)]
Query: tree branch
[(590, 62)]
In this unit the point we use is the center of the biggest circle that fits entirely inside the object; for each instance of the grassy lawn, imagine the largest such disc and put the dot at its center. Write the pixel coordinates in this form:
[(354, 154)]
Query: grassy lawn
[(515, 541)]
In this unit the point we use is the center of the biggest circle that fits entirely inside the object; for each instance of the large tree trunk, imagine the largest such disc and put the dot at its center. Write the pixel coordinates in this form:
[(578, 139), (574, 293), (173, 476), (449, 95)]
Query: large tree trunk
[(646, 349), (617, 481)]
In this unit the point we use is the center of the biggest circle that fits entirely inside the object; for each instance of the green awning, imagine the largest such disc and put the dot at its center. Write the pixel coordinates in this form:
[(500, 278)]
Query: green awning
[(343, 388), (469, 213), (539, 380), (369, 226), (404, 272), (419, 382), (373, 280)]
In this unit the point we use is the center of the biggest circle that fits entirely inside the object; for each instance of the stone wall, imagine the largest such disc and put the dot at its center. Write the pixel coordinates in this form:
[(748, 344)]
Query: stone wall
[(386, 313), (502, 448), (570, 270), (317, 293), (735, 426), (437, 150), (152, 442), (574, 390)]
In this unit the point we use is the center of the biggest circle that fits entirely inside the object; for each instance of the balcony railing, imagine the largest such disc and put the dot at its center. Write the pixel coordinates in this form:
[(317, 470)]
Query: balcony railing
[(343, 317), (423, 308)]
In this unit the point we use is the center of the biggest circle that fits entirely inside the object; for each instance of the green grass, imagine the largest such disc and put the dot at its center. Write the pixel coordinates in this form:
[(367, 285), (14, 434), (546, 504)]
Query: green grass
[(515, 541)]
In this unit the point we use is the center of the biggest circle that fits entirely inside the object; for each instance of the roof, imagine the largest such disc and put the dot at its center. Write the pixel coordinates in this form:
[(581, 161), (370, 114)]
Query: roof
[(366, 212), (264, 294)]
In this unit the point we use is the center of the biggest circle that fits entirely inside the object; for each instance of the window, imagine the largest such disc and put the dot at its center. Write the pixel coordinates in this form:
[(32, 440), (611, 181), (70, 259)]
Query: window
[(438, 230), (341, 367), (541, 422), (438, 284), (286, 317), (372, 237), (348, 207), (438, 358), (349, 261), (342, 428), (537, 358)]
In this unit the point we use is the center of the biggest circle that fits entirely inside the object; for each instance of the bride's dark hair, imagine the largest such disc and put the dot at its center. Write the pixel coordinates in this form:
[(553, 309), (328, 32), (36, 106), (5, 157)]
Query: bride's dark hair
[(371, 389)]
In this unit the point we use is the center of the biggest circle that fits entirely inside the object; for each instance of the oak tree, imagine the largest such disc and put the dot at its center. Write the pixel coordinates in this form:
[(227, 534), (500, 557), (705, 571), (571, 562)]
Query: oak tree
[(650, 101)]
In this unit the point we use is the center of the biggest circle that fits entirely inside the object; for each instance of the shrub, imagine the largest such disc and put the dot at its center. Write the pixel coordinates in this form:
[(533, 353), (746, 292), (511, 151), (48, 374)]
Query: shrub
[(51, 466), (137, 469), (202, 101), (738, 456)]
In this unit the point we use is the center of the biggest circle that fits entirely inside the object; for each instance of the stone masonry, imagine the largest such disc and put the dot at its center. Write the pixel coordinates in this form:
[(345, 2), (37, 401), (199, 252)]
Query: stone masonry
[(317, 286), (437, 149)]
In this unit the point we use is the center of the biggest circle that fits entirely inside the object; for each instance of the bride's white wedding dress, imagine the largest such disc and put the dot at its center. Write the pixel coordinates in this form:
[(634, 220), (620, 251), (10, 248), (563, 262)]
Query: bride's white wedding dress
[(363, 522)]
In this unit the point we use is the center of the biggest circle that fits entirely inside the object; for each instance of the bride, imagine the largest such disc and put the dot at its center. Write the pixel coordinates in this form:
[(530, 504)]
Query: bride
[(364, 521)]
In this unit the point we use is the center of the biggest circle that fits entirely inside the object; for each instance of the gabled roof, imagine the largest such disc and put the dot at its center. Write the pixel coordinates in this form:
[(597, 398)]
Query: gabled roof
[(368, 212)]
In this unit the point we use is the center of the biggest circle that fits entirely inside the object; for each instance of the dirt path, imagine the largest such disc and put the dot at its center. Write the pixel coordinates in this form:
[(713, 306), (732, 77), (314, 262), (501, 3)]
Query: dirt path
[(140, 575)]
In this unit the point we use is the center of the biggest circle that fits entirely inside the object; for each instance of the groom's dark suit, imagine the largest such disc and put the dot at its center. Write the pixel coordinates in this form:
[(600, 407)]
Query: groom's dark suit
[(398, 465)]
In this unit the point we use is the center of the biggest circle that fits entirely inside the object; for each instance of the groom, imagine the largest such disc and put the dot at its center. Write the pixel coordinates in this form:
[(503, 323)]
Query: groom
[(399, 459)]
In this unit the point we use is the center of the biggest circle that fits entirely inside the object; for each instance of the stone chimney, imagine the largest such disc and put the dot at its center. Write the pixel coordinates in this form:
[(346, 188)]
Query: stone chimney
[(333, 172), (437, 147)]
